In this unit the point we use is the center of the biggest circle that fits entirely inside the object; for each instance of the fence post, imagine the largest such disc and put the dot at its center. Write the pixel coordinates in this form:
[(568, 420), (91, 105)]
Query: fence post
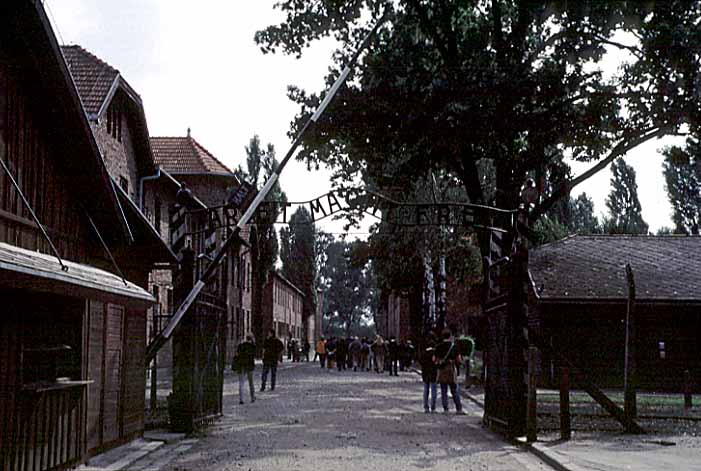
[(532, 408), (565, 424), (629, 380), (687, 390)]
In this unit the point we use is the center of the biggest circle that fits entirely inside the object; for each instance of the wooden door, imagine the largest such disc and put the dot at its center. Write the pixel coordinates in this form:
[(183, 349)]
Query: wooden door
[(95, 372), (112, 387)]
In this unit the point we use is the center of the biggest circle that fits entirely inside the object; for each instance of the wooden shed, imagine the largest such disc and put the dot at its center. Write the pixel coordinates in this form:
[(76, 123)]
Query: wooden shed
[(580, 292), (72, 329)]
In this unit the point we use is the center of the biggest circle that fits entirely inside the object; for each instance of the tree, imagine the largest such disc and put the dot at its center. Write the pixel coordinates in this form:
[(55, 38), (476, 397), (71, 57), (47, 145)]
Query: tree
[(262, 237), (682, 172), (299, 260), (349, 289), (450, 84), (622, 203), (582, 218)]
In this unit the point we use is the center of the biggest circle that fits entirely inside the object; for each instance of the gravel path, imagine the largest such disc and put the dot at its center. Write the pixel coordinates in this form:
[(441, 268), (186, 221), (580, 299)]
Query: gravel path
[(320, 419)]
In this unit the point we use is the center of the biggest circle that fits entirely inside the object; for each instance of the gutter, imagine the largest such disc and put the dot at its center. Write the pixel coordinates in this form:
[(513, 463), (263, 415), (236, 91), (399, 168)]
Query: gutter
[(156, 176)]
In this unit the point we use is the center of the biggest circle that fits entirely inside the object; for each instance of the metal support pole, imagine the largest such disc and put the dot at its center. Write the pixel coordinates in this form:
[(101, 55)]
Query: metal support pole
[(630, 402), (33, 214), (687, 390)]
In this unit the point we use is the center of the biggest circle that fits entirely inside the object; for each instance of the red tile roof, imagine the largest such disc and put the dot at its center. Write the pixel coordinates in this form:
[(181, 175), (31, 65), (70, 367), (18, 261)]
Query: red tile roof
[(184, 155), (93, 77), (592, 268)]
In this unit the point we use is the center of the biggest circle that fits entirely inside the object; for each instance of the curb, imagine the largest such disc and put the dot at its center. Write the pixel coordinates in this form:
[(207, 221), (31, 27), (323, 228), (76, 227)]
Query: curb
[(550, 458)]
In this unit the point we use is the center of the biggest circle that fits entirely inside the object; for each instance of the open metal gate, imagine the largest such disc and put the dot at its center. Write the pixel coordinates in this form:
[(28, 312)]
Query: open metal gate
[(506, 313), (199, 346)]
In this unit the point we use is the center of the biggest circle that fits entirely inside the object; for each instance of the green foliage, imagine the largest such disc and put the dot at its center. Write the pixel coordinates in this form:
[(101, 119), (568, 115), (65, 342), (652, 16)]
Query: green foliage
[(262, 237), (486, 94), (447, 84), (298, 243), (548, 229), (682, 172), (582, 218), (625, 212)]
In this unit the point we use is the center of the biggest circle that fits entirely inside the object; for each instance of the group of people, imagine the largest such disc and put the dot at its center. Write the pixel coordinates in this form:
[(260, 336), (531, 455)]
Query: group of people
[(440, 360), (297, 349), (244, 363), (356, 353), (440, 363)]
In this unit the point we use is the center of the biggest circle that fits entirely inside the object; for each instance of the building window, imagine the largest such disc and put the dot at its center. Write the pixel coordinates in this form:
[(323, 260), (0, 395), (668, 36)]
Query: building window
[(114, 120)]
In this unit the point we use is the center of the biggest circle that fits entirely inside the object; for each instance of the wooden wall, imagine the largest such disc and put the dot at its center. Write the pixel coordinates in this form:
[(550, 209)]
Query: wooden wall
[(593, 337), (41, 422), (26, 148), (116, 398)]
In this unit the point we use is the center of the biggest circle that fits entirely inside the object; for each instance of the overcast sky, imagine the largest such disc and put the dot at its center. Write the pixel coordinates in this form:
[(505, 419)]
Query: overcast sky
[(195, 65)]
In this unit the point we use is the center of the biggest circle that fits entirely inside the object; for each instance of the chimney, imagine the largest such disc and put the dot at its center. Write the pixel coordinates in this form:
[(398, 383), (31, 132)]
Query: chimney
[(188, 132)]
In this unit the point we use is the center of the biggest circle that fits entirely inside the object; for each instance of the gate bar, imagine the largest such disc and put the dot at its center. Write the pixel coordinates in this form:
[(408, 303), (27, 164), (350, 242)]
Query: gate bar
[(162, 337)]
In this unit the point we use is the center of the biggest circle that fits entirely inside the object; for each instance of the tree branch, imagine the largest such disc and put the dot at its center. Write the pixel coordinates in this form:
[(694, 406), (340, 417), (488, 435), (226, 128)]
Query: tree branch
[(620, 149)]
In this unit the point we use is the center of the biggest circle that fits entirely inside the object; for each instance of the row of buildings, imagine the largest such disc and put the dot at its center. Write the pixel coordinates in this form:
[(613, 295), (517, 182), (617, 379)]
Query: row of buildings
[(103, 229)]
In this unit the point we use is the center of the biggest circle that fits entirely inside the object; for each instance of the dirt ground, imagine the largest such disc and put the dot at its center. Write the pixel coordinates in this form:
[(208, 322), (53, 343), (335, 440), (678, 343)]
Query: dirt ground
[(321, 419)]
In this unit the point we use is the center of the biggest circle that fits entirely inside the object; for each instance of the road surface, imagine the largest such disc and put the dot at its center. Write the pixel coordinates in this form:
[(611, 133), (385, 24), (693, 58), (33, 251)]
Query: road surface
[(343, 421)]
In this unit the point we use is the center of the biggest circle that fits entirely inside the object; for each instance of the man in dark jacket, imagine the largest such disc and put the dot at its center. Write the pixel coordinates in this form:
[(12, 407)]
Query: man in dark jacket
[(392, 356), (272, 351), (341, 353), (244, 363), (429, 374)]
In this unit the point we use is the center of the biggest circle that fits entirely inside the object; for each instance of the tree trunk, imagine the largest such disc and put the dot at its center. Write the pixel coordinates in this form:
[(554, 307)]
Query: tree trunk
[(442, 295), (429, 294)]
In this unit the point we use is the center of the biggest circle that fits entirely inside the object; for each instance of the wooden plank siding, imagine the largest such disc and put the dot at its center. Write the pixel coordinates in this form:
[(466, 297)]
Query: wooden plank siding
[(134, 399), (25, 149), (95, 372), (112, 387)]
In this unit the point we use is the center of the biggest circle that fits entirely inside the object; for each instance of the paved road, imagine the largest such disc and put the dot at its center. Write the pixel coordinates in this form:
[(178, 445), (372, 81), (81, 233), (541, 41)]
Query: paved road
[(320, 419)]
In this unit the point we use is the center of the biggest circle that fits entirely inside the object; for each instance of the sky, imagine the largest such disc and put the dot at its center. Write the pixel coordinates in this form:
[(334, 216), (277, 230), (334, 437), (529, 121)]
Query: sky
[(196, 66)]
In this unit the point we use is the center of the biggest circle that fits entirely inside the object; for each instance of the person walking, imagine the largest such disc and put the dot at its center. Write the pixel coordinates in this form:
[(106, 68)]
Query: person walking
[(272, 352), (341, 353), (466, 347), (429, 374), (393, 356), (446, 357), (305, 350), (244, 364), (378, 349), (354, 350), (321, 351), (331, 353), (364, 354)]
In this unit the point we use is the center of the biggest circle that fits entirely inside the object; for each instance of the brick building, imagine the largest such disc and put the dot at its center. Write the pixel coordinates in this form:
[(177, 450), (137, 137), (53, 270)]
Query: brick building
[(282, 307), (118, 122), (211, 182)]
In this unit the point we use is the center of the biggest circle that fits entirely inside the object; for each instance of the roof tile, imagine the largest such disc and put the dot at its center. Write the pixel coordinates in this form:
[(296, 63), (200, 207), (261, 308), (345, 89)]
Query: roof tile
[(184, 155), (93, 77), (593, 267)]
